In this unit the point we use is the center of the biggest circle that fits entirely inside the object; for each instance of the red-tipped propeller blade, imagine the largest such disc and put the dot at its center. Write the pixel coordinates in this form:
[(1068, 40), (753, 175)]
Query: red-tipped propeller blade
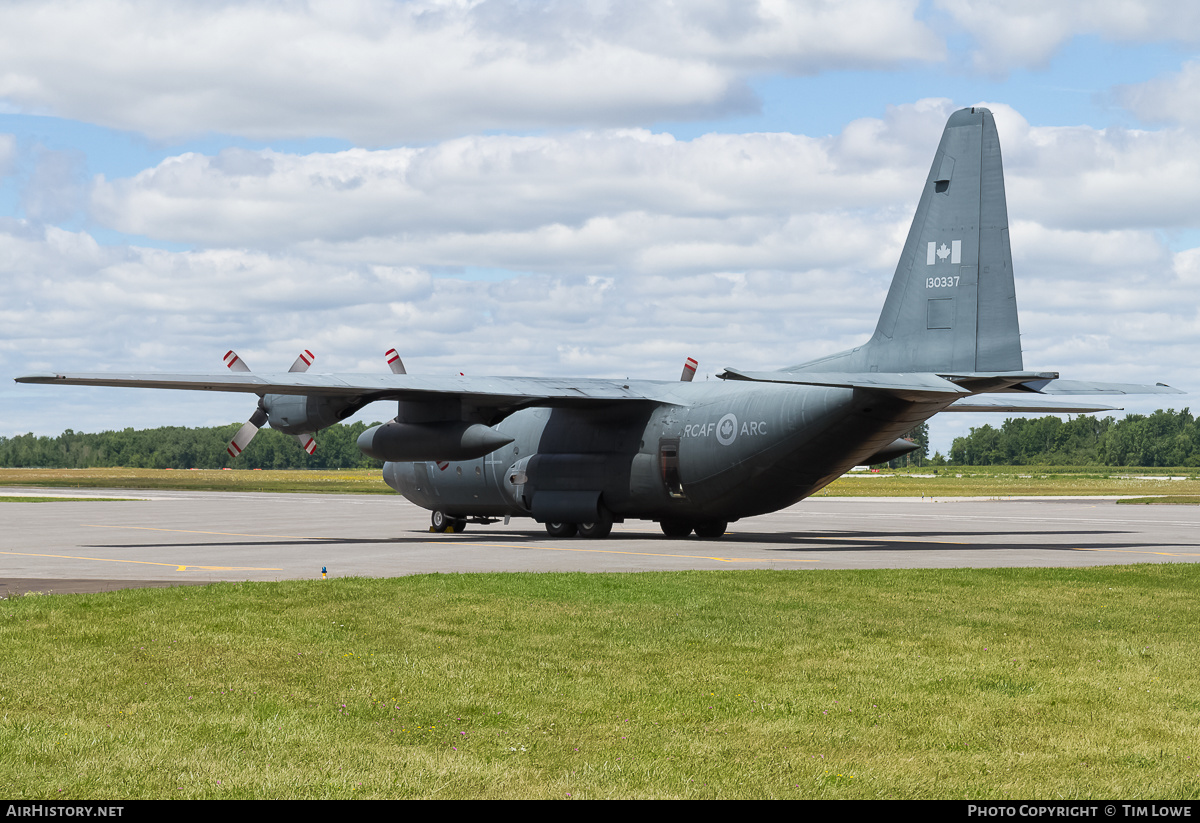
[(689, 370), (302, 363), (394, 362)]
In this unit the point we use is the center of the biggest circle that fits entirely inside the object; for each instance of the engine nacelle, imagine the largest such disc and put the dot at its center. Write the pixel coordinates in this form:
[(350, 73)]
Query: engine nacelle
[(417, 442), (300, 414)]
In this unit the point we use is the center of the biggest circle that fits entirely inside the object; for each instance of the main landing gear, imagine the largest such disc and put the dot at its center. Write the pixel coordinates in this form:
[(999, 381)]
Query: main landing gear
[(562, 529), (706, 529), (595, 530)]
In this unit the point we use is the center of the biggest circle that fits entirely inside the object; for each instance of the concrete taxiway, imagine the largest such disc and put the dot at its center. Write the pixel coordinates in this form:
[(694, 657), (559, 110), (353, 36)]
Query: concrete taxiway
[(201, 537)]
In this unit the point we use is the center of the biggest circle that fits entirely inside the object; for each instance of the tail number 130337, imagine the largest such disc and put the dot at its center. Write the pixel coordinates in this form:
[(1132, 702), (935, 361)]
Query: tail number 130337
[(949, 281)]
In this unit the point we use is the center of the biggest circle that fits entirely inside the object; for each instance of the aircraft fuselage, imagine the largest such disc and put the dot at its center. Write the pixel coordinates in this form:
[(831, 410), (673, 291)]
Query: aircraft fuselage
[(720, 452)]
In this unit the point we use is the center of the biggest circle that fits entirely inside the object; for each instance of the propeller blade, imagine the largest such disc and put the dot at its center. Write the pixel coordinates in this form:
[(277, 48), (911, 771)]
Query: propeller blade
[(246, 433), (689, 370), (307, 442), (234, 362), (394, 362), (242, 439), (302, 363)]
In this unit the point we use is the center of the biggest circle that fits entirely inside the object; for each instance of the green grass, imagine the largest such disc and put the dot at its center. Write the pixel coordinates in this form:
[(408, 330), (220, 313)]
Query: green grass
[(344, 481), (1030, 683), (1016, 481), (7, 499)]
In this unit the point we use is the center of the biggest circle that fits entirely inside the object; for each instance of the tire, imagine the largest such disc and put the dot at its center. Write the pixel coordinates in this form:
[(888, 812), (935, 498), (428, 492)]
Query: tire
[(675, 528), (439, 521), (601, 528), (712, 529), (459, 524), (561, 529)]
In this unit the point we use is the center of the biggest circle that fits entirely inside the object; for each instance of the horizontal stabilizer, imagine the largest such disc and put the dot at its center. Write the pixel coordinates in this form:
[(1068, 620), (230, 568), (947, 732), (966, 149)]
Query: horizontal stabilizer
[(1023, 404), (1093, 387), (979, 382)]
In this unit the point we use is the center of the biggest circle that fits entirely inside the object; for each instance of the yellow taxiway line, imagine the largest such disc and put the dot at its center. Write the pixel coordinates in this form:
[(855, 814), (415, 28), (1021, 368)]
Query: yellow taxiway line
[(176, 566), (198, 531)]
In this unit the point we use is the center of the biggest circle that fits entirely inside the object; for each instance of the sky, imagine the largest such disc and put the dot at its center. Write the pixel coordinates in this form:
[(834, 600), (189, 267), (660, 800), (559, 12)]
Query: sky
[(579, 188)]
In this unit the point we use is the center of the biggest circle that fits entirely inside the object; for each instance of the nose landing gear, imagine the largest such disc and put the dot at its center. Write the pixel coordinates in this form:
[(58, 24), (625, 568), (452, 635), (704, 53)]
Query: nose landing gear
[(441, 522)]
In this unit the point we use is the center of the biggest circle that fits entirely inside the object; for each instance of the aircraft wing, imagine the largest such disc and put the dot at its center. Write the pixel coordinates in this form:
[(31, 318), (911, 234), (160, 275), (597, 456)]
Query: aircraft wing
[(492, 392), (921, 386)]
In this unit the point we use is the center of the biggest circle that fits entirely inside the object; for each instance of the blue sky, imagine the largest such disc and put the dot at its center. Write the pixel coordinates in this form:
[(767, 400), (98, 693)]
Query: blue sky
[(593, 189)]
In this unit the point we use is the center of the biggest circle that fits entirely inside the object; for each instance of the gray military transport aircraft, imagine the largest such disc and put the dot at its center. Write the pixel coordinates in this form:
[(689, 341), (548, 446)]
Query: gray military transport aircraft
[(579, 455)]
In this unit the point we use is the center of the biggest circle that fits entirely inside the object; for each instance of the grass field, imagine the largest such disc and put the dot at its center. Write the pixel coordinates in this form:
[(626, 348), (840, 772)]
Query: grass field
[(1030, 683), (347, 481), (16, 499), (1006, 481), (967, 481)]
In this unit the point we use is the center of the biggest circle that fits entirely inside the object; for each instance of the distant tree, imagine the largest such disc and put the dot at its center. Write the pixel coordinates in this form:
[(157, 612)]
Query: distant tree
[(175, 447)]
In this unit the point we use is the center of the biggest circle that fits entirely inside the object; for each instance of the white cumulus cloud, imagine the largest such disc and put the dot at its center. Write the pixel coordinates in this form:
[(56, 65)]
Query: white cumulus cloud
[(379, 72), (1013, 34)]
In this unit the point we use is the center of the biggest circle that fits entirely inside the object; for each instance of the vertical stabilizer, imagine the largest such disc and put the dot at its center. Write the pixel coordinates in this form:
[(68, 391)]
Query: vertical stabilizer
[(952, 306)]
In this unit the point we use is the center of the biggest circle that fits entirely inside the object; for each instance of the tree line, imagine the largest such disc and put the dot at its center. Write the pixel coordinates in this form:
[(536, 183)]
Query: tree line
[(1164, 438), (175, 447)]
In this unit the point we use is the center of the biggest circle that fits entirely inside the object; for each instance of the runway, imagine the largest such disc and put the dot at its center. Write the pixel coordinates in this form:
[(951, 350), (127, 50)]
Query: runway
[(180, 538)]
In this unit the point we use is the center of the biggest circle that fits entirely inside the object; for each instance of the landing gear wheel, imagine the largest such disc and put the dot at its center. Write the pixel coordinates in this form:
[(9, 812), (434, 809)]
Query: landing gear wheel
[(459, 524), (440, 521), (675, 528), (711, 529), (600, 528), (561, 529)]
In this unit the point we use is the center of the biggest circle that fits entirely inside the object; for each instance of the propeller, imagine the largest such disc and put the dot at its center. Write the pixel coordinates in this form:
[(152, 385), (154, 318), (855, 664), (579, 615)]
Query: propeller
[(259, 419)]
